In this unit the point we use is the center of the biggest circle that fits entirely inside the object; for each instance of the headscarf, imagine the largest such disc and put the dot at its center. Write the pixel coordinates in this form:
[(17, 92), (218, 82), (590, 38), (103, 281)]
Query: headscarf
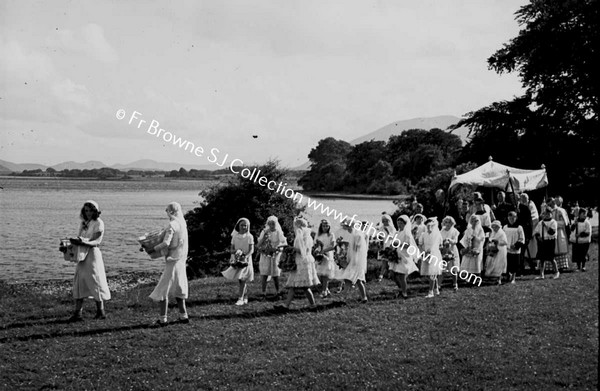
[(176, 214), (93, 203), (235, 231), (267, 229), (406, 233), (303, 240), (391, 230)]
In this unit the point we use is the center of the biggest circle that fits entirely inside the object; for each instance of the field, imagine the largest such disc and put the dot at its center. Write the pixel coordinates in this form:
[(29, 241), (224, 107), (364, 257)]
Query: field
[(532, 335)]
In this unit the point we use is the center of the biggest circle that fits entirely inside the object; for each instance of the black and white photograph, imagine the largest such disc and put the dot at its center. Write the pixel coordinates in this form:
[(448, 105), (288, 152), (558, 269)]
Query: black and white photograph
[(299, 195)]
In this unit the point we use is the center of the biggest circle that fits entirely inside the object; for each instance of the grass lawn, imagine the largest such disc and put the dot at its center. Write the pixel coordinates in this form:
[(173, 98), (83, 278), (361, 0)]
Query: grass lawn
[(539, 335)]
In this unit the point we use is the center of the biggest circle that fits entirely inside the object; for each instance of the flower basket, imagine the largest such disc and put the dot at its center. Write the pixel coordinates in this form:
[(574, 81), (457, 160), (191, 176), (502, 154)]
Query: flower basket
[(390, 254), (340, 254), (447, 253), (492, 248), (317, 252), (287, 262), (265, 246), (149, 240), (239, 260)]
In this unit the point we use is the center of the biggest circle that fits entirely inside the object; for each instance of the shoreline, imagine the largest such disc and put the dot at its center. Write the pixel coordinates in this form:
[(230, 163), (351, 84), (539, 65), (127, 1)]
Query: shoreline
[(374, 197)]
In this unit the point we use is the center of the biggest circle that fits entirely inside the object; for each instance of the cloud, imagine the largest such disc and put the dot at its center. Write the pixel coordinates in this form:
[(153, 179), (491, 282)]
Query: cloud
[(89, 41)]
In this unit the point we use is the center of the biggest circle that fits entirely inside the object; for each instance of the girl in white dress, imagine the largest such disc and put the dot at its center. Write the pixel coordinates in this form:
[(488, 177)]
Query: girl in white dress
[(406, 262), (90, 277), (173, 281), (242, 240), (387, 227), (267, 264), (449, 240), (357, 260), (431, 264), (472, 242), (305, 275), (496, 262), (326, 269)]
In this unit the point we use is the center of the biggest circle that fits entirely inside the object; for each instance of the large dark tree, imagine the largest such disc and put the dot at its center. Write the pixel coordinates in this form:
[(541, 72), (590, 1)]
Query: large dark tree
[(555, 122), (328, 165)]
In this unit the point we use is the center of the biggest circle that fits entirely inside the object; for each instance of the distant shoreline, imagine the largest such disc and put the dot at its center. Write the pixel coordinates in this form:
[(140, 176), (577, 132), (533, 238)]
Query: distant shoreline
[(355, 196)]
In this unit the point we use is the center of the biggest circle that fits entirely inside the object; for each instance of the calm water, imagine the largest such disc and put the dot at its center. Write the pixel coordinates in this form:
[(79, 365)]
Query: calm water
[(36, 213)]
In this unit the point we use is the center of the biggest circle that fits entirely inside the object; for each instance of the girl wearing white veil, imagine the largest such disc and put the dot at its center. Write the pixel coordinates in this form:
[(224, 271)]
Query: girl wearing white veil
[(357, 260), (173, 281), (472, 242), (388, 229), (305, 275), (267, 264), (242, 240), (406, 262), (430, 242)]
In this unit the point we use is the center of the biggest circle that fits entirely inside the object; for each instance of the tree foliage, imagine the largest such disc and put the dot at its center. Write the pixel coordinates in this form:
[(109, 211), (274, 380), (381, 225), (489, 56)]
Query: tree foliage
[(555, 122), (211, 223)]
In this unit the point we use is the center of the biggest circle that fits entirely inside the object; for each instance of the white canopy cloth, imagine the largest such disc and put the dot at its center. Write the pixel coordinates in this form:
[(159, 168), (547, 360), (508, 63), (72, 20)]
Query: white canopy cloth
[(493, 174)]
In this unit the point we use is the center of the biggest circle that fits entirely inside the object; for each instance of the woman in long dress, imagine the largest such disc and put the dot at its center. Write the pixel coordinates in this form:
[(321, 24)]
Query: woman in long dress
[(356, 270), (406, 261), (268, 261), (242, 242), (90, 276), (430, 242), (387, 227), (496, 261), (305, 275), (472, 242), (326, 268), (173, 281)]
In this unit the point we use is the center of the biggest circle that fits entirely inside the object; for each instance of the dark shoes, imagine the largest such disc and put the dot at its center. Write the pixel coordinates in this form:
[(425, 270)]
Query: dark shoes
[(100, 315), (160, 323), (76, 317), (184, 320)]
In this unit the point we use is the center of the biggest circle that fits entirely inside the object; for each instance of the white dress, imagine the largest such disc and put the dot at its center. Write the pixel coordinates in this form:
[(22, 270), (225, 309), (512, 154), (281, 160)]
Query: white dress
[(452, 234), (496, 264), (357, 258), (406, 261), (305, 275), (473, 240), (430, 242), (267, 264), (173, 281), (241, 242), (327, 267), (90, 277)]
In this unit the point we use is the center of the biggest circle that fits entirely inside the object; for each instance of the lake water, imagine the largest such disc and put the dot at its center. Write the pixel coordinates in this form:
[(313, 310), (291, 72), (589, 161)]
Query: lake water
[(35, 213)]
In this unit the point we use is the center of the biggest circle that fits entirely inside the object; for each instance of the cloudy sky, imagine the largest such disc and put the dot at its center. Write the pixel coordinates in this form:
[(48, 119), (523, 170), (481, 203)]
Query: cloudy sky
[(217, 72)]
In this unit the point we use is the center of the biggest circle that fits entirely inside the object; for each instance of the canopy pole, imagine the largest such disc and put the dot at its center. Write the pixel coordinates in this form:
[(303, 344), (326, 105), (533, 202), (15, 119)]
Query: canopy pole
[(513, 190)]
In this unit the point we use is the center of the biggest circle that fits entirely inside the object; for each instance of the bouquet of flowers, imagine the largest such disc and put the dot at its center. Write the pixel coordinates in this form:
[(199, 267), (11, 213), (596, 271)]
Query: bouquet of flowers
[(470, 250), (340, 255), (493, 247), (265, 246), (287, 262), (317, 252), (447, 254), (238, 260), (390, 254), (375, 245)]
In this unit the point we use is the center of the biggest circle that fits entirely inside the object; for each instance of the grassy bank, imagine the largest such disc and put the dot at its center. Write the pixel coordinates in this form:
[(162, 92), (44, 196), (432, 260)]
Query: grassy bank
[(532, 335)]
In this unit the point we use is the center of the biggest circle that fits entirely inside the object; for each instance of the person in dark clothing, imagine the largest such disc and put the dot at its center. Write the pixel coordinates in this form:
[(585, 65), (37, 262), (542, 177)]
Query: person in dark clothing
[(503, 208), (524, 220)]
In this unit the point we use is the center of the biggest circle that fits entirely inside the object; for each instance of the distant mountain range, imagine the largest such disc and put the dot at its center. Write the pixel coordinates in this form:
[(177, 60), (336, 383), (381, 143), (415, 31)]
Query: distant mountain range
[(382, 134)]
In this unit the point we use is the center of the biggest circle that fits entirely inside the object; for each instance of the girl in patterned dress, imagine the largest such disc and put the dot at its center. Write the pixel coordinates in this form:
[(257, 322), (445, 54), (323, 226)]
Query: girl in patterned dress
[(242, 240), (267, 264), (90, 277)]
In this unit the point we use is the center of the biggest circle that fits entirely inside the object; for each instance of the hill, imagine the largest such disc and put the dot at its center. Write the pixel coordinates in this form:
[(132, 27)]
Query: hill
[(395, 128)]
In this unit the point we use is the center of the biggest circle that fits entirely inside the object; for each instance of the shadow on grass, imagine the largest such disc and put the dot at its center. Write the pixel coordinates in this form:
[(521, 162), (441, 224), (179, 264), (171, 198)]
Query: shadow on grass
[(86, 333)]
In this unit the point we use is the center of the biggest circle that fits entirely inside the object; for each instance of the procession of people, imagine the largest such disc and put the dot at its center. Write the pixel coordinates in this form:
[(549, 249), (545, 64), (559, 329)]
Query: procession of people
[(491, 242)]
